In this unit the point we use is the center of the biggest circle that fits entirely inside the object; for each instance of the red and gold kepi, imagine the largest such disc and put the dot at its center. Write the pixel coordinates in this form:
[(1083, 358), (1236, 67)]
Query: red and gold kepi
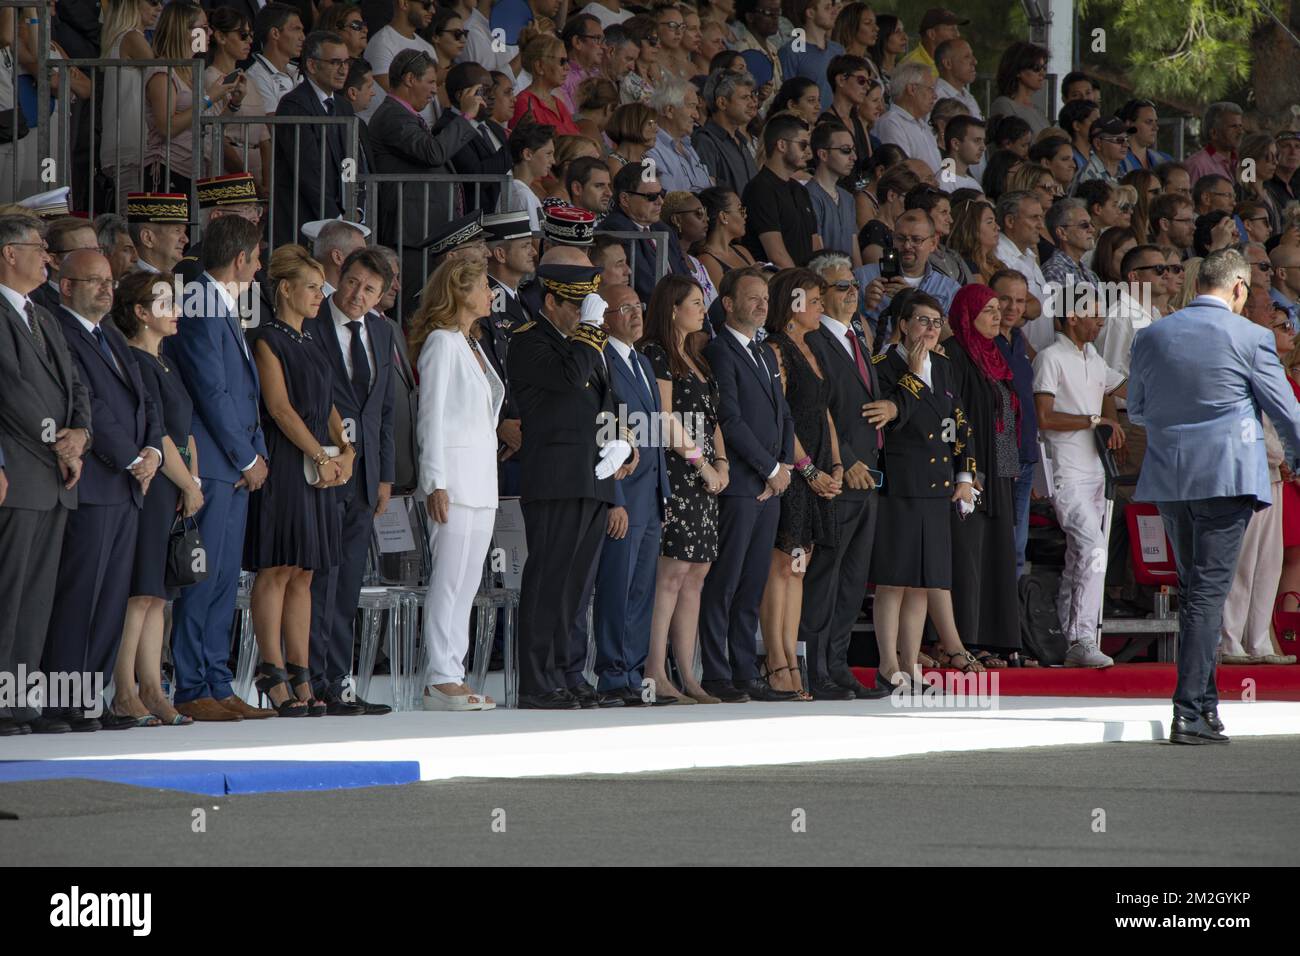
[(233, 189), (158, 207), (569, 225)]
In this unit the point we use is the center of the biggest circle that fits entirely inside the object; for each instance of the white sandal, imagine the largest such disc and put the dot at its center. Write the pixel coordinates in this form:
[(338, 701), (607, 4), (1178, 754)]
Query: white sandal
[(435, 699)]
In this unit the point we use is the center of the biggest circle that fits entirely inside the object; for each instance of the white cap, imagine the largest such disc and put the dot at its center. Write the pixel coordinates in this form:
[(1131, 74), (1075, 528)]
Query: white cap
[(312, 229)]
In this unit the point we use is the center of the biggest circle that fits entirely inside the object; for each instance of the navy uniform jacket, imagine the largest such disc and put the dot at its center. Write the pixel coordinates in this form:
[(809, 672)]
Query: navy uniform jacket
[(918, 461), (564, 396)]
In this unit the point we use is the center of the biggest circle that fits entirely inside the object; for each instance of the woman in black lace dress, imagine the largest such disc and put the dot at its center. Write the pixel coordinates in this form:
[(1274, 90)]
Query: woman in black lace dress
[(697, 472), (807, 513)]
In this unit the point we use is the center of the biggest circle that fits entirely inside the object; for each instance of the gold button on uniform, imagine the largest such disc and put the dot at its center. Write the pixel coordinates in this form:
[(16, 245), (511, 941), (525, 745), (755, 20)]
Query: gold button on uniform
[(947, 483), (929, 436), (932, 461)]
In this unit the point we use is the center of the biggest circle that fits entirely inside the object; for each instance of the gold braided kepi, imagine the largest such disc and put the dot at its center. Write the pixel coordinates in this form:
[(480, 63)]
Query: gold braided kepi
[(234, 189), (157, 207), (573, 283)]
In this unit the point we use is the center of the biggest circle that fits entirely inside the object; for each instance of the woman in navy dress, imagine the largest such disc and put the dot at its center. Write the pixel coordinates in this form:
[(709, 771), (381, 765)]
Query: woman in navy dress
[(145, 313), (293, 527)]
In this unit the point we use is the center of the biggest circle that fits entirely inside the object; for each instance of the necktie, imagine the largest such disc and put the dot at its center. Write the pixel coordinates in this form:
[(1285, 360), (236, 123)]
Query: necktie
[(636, 374), (35, 328), (862, 371), (360, 364), (329, 106), (758, 356), (108, 352)]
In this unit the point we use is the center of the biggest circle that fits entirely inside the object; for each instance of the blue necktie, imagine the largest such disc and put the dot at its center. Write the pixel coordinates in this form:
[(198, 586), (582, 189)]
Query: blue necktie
[(108, 352)]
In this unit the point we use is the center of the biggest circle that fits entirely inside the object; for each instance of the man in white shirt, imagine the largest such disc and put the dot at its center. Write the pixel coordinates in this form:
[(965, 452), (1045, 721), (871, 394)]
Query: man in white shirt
[(400, 34), (957, 63), (905, 125), (964, 145), (280, 35), (479, 46), (1073, 388), (608, 12), (1020, 219)]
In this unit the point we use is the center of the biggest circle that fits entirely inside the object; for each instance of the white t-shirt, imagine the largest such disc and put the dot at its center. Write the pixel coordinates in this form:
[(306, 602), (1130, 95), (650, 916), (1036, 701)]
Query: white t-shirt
[(1124, 320), (522, 198), (479, 47), (1079, 379), (605, 15), (381, 49)]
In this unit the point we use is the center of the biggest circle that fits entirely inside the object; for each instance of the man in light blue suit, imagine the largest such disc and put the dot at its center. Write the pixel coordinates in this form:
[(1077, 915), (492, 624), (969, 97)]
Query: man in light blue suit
[(216, 364), (625, 578), (1198, 382)]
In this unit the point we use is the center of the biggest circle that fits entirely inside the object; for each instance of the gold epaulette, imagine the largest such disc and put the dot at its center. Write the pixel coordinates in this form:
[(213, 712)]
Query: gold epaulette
[(591, 335), (879, 357), (522, 328)]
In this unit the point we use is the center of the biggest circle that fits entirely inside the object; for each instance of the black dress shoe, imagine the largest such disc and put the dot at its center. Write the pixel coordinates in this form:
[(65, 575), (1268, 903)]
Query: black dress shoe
[(851, 683), (609, 700), (81, 724), (586, 696), (46, 724), (1184, 731), (1212, 718), (549, 700), (337, 706), (112, 721), (629, 696), (763, 691), (725, 691), (831, 692), (13, 728)]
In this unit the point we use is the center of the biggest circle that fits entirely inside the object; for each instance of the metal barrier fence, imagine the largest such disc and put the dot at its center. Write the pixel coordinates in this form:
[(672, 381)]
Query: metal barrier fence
[(15, 145)]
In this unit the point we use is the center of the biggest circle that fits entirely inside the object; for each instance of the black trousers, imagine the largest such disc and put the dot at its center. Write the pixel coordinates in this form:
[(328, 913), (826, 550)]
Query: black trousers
[(91, 592), (564, 538), (733, 588), (833, 591), (30, 545), (334, 596)]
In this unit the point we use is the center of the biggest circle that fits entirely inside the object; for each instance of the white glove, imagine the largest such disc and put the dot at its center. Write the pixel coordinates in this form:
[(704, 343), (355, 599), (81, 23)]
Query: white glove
[(593, 310), (612, 457)]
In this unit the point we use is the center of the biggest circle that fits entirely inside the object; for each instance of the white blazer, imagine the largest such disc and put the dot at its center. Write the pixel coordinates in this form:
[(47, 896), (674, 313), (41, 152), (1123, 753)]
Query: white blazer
[(457, 422)]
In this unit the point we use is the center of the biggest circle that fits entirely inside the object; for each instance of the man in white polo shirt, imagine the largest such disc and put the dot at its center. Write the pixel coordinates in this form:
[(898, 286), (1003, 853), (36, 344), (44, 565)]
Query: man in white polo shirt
[(905, 125), (1073, 394), (1020, 220)]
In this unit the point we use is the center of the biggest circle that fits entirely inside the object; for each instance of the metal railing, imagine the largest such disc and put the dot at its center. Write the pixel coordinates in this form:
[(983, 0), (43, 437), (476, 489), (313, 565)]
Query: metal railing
[(631, 240), (14, 152)]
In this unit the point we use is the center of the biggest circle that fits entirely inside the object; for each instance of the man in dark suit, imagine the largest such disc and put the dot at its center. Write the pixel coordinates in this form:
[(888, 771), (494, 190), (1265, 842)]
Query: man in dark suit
[(486, 153), (217, 367), (44, 430), (836, 581), (563, 391), (625, 581), (759, 436), (511, 256), (319, 193), (359, 346), (403, 143), (94, 579), (63, 236), (406, 391), (638, 201)]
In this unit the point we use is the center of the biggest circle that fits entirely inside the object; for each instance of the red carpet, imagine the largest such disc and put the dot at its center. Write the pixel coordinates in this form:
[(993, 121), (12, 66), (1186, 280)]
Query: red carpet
[(1266, 682)]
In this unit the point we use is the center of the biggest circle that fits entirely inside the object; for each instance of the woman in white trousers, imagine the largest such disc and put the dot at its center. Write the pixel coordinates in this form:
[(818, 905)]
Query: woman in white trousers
[(460, 398)]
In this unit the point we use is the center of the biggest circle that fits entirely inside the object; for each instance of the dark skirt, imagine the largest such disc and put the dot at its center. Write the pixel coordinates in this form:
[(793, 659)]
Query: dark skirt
[(985, 601), (149, 574), (913, 547), (290, 523)]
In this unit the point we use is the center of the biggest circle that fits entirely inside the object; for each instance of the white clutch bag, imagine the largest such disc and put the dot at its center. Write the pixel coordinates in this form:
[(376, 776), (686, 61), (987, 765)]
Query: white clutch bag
[(309, 469)]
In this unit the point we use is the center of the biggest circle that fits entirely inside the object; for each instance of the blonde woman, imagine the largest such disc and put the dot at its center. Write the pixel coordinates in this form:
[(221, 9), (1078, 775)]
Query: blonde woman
[(293, 527), (1184, 296), (123, 38), (457, 428), (171, 110), (547, 63)]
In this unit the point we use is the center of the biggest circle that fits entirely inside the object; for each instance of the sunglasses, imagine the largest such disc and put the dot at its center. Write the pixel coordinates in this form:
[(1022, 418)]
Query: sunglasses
[(1265, 267), (653, 41), (1126, 207), (358, 26), (458, 34), (1159, 269), (1037, 68), (651, 197), (563, 60), (844, 150), (844, 285), (672, 24)]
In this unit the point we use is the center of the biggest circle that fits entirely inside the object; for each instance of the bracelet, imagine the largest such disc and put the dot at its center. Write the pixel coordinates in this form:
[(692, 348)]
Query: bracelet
[(716, 460), (207, 102), (321, 458), (694, 455), (809, 472), (835, 464), (803, 463)]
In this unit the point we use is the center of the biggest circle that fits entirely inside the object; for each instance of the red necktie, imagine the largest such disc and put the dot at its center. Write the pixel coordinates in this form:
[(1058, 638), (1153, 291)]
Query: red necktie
[(866, 375)]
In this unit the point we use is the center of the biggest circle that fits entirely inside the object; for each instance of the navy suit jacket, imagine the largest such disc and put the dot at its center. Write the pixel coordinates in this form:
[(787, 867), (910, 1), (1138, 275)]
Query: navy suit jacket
[(372, 432), (643, 492), (756, 423), (216, 365), (122, 414), (314, 184)]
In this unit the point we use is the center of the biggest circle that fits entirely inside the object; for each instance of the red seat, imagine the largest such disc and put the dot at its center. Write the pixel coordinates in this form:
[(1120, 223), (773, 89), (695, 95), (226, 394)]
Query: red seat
[(1148, 568)]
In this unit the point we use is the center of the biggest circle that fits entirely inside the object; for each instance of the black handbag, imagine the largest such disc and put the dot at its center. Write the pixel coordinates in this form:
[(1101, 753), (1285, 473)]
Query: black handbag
[(187, 560), (13, 126)]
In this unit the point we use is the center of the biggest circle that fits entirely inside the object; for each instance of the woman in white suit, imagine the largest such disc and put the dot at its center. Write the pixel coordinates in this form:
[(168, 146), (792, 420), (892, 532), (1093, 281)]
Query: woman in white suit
[(460, 398)]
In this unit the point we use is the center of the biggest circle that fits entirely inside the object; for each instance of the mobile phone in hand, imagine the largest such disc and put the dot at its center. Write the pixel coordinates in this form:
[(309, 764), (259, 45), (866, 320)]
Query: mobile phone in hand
[(231, 77)]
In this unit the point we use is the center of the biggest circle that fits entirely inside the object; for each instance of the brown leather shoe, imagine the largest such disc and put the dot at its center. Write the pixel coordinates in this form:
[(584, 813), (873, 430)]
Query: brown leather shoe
[(205, 708), (236, 705)]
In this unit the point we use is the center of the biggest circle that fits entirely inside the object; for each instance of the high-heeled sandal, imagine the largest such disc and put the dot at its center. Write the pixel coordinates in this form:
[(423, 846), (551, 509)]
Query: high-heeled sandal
[(800, 693), (269, 677), (300, 674), (965, 661)]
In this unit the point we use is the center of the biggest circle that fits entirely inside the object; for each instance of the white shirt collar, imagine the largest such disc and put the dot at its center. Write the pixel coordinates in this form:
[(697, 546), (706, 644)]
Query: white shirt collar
[(320, 94), (837, 329), (16, 299), (86, 324), (224, 293), (622, 348), (743, 339), (341, 319), (146, 266)]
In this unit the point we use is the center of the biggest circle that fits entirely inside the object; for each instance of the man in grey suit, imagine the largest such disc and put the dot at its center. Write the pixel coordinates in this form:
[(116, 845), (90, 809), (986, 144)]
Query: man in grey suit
[(44, 431), (1198, 382)]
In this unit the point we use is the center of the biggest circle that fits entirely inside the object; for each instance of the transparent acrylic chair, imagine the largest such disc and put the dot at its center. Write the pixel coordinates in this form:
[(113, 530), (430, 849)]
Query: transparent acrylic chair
[(394, 592), (245, 639)]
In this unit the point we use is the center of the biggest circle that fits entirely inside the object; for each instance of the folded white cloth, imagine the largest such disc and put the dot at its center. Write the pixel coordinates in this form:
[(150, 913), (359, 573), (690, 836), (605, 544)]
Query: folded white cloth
[(593, 310), (612, 457)]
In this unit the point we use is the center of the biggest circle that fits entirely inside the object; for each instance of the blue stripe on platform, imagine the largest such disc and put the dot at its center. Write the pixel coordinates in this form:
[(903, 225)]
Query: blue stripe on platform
[(220, 777)]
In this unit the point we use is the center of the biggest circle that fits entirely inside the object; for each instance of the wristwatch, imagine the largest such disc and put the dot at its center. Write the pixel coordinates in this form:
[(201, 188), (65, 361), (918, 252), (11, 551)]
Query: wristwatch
[(1095, 419)]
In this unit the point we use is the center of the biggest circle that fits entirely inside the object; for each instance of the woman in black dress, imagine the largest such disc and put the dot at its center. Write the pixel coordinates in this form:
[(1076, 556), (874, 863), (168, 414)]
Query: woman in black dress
[(807, 513), (145, 313), (293, 526), (984, 595), (929, 474), (697, 472)]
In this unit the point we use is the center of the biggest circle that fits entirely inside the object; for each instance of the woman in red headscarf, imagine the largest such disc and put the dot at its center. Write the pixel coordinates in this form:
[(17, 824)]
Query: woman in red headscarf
[(984, 596)]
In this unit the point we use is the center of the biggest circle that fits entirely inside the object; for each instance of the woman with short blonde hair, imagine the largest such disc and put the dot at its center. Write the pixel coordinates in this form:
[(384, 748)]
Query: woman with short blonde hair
[(547, 63), (460, 401)]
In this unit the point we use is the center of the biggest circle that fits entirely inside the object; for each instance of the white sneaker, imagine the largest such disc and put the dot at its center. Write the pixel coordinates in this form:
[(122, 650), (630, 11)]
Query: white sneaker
[(1086, 655)]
